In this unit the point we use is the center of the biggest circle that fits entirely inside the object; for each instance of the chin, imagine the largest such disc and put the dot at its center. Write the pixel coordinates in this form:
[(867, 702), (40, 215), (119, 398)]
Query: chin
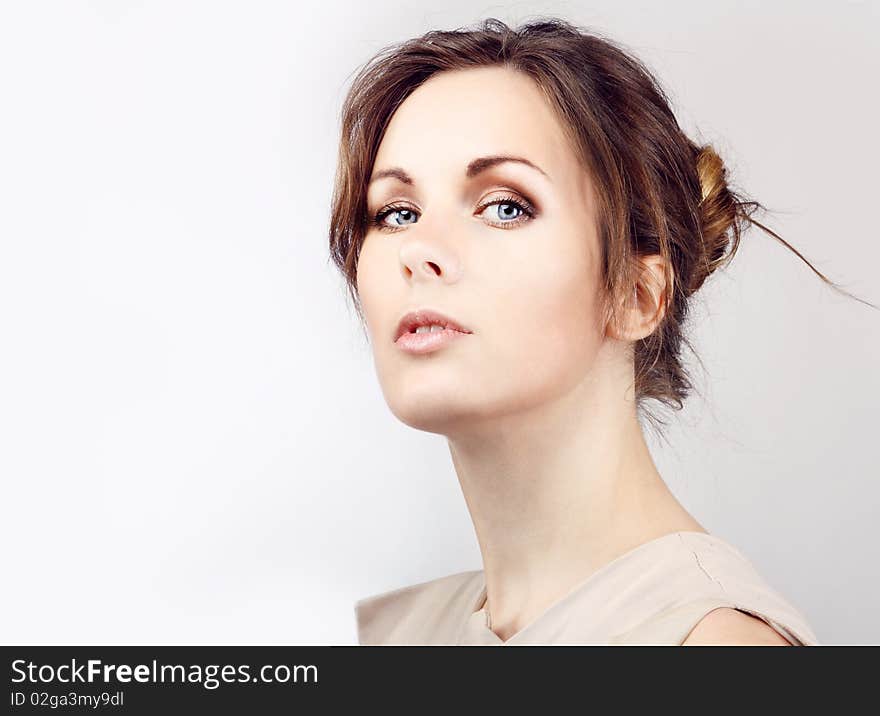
[(432, 416), (430, 409)]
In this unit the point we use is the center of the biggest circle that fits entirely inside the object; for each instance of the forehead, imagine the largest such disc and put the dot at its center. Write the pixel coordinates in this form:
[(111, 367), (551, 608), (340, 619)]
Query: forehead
[(458, 115)]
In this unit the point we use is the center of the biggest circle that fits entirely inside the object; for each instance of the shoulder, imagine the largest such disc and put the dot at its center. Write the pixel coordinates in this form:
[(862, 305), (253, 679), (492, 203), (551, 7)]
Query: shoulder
[(727, 626), (415, 613), (747, 609)]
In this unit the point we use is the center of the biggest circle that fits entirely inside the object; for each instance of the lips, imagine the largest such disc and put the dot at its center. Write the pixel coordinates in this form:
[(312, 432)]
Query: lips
[(426, 317)]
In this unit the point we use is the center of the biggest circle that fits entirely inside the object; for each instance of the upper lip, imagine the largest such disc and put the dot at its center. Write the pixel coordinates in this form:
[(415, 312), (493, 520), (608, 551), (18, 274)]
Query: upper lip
[(425, 317)]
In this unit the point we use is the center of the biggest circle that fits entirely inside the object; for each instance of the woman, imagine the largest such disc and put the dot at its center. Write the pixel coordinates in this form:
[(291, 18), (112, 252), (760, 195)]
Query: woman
[(521, 222)]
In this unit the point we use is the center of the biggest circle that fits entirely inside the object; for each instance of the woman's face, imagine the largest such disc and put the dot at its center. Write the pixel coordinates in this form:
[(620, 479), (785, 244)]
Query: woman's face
[(527, 287)]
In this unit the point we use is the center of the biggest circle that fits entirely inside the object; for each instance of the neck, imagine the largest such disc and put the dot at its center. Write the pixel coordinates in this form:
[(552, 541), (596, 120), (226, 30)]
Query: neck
[(557, 492)]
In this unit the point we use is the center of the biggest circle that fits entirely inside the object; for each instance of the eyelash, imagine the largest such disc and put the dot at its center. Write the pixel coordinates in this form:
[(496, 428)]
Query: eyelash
[(525, 206)]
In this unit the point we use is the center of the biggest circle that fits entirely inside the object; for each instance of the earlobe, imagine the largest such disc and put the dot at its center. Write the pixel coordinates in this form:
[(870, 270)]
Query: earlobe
[(618, 325)]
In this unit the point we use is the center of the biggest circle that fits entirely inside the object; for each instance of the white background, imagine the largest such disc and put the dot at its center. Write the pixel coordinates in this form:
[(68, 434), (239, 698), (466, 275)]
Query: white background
[(193, 444)]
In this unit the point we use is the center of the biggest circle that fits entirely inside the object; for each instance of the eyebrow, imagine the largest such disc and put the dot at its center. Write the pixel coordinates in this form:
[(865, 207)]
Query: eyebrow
[(475, 167)]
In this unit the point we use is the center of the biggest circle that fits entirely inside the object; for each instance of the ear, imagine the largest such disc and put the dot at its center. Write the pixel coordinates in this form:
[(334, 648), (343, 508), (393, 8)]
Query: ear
[(644, 310)]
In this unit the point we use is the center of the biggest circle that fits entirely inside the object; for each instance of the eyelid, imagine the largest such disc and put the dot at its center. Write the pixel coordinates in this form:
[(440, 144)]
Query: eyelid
[(511, 195)]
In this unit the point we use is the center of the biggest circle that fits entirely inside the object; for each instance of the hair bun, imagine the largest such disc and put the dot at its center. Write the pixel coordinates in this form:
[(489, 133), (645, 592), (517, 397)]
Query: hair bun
[(719, 213)]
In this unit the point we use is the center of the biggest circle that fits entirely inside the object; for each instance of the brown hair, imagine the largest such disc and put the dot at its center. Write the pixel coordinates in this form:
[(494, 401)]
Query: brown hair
[(658, 192)]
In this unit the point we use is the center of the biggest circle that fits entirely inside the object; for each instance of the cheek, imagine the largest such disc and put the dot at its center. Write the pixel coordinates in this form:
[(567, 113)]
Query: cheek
[(554, 323), (546, 308), (372, 275)]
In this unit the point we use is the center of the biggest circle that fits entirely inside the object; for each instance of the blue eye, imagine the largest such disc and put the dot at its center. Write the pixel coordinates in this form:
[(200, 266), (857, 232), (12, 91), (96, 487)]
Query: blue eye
[(512, 211), (404, 211), (505, 209)]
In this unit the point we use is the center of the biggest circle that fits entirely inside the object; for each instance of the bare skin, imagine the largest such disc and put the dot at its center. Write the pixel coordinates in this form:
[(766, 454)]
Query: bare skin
[(537, 403)]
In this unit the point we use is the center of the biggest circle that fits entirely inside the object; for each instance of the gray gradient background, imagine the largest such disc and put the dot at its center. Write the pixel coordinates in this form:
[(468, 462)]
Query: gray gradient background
[(194, 444)]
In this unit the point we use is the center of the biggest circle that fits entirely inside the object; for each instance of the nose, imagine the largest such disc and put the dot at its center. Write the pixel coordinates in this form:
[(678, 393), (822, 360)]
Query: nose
[(425, 258)]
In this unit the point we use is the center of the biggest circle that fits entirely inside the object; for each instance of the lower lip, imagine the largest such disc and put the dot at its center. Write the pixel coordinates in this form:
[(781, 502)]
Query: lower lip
[(427, 342)]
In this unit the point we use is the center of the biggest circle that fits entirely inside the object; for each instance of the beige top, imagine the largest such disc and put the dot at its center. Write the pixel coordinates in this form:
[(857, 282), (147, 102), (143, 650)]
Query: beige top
[(654, 594)]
